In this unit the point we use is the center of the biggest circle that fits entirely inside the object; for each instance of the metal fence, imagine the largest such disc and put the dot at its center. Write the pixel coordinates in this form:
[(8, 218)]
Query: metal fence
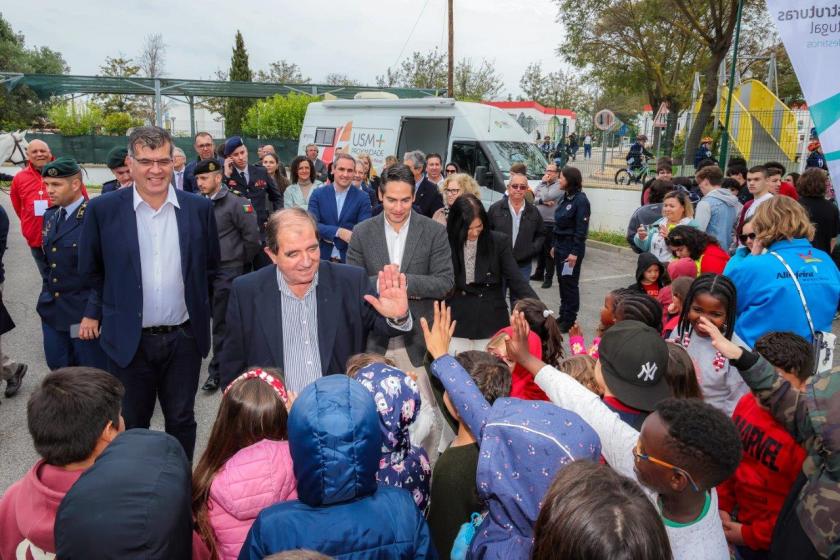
[(94, 148)]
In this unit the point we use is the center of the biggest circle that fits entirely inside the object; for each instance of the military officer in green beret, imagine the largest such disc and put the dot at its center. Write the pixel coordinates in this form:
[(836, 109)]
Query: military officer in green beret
[(69, 311), (118, 166), (239, 242)]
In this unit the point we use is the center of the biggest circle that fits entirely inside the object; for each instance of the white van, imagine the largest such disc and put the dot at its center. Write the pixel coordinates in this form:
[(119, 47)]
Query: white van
[(484, 141)]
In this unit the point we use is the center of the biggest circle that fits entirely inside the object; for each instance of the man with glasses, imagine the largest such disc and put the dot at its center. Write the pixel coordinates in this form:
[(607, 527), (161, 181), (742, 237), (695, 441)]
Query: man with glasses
[(521, 222), (204, 149), (148, 253), (546, 195)]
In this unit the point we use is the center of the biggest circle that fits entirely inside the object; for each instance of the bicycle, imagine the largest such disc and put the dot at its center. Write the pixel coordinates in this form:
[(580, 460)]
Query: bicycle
[(639, 175)]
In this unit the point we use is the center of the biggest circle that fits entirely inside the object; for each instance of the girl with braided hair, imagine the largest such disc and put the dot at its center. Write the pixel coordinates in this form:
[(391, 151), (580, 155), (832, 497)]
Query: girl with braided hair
[(712, 296)]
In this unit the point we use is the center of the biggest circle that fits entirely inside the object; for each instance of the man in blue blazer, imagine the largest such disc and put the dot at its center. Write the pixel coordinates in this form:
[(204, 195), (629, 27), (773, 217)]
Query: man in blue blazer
[(306, 316), (149, 253), (337, 208)]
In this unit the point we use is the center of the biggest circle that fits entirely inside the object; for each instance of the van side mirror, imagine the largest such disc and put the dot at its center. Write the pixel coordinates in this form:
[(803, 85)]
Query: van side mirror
[(482, 176)]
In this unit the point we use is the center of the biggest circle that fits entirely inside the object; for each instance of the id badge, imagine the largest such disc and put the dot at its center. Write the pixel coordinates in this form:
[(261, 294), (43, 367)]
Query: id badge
[(40, 207)]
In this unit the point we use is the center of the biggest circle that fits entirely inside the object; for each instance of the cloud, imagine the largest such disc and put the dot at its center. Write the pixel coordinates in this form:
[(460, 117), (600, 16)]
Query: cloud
[(360, 39)]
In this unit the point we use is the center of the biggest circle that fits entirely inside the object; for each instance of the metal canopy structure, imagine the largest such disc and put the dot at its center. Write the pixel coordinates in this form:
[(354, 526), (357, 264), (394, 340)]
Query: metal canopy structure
[(48, 85)]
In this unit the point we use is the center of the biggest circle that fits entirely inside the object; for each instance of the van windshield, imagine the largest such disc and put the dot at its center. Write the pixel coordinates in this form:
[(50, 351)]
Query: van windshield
[(506, 154)]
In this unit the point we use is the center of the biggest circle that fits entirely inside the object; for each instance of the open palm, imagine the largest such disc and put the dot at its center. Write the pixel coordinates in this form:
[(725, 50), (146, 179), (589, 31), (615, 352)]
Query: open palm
[(392, 302)]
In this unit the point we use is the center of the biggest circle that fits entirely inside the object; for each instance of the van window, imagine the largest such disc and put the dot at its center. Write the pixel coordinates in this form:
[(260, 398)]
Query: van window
[(507, 153), (324, 136), (468, 156)]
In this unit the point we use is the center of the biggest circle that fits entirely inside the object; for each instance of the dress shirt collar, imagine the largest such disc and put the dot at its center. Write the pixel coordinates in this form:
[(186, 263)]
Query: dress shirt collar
[(71, 208), (513, 210), (390, 228), (284, 288), (171, 198)]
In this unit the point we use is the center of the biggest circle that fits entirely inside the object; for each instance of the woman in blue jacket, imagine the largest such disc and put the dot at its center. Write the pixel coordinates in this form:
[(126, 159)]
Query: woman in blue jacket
[(335, 441), (768, 299)]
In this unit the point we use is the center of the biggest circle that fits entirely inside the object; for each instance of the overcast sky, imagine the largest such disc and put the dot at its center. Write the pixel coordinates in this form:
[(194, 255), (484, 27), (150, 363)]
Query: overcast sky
[(360, 38)]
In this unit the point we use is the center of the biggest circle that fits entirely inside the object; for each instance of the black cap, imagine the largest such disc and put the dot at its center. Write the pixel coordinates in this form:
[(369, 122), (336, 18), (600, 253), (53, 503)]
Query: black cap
[(634, 359), (61, 167), (116, 158), (207, 166)]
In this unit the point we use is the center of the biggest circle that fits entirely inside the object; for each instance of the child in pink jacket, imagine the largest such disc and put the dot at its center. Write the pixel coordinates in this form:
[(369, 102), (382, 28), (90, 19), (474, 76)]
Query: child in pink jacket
[(247, 465)]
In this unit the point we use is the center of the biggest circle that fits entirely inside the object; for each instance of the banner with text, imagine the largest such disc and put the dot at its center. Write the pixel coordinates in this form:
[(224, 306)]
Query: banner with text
[(811, 35)]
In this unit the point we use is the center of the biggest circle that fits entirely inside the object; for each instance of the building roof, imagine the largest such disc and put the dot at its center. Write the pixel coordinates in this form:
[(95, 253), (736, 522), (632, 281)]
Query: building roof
[(48, 85), (532, 105)]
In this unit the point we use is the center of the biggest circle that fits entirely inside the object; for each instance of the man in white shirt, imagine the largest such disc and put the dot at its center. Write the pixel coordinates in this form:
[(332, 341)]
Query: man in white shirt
[(420, 247), (759, 187), (149, 253), (434, 169)]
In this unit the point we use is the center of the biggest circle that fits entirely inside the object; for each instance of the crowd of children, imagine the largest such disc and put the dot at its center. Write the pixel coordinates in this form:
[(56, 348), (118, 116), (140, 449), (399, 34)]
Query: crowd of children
[(667, 438)]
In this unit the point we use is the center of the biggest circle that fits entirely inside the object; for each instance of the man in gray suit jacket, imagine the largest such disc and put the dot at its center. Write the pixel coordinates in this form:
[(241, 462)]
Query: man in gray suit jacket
[(421, 249)]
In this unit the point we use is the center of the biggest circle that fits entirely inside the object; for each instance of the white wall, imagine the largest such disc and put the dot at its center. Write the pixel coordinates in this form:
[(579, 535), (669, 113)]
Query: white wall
[(611, 208)]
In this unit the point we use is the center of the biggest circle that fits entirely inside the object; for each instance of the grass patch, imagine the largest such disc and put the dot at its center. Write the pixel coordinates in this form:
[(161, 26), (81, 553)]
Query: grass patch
[(611, 237)]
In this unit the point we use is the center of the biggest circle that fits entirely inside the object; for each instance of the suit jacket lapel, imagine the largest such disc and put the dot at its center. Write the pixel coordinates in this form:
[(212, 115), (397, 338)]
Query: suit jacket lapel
[(379, 244), (415, 232), (271, 315), (182, 216), (70, 223), (327, 324), (129, 218)]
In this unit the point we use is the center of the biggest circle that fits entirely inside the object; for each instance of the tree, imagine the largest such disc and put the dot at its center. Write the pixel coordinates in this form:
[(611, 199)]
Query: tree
[(555, 89), (237, 107), (474, 83), (118, 124), (71, 120), (152, 64), (277, 117), (118, 67), (532, 82), (21, 108), (630, 47), (336, 79), (282, 72)]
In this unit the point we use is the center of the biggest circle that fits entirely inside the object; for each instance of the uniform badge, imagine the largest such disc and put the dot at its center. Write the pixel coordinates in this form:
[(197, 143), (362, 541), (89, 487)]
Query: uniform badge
[(52, 172), (212, 166), (248, 209), (260, 184), (569, 207), (232, 183), (81, 213)]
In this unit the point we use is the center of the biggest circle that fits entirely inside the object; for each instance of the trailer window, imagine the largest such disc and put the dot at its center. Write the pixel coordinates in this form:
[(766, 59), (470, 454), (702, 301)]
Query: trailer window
[(324, 136), (468, 156)]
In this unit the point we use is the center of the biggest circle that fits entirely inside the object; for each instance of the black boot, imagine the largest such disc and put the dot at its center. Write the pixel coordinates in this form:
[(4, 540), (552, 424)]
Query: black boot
[(547, 282), (211, 385), (537, 276), (15, 381)]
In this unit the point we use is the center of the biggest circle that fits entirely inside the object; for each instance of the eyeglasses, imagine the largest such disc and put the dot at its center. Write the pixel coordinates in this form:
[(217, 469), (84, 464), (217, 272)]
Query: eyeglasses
[(745, 236), (165, 162), (519, 187), (452, 191), (551, 171), (451, 170), (637, 453)]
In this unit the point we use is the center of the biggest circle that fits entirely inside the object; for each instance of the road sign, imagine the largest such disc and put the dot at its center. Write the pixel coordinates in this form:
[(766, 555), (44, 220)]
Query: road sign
[(661, 118), (604, 119)]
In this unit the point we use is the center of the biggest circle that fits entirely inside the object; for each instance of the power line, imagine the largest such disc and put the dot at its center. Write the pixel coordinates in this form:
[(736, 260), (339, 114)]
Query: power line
[(411, 33)]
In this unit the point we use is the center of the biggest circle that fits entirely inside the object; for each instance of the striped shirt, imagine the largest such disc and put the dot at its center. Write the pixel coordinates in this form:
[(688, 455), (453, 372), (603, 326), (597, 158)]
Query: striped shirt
[(301, 355)]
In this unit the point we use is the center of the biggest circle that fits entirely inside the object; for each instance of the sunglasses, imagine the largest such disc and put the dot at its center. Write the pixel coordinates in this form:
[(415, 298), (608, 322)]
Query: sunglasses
[(637, 453), (519, 187), (451, 170), (745, 236)]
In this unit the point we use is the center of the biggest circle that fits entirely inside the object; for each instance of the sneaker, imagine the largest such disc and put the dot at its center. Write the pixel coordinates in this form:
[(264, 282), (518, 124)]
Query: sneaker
[(15, 381), (211, 385)]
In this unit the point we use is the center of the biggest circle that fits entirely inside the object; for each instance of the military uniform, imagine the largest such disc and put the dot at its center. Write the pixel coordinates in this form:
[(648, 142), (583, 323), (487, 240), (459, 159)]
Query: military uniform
[(64, 298), (239, 243), (255, 185), (571, 227), (116, 158)]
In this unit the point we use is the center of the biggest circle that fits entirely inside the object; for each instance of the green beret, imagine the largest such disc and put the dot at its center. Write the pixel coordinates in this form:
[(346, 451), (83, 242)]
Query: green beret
[(116, 158), (207, 166), (60, 168)]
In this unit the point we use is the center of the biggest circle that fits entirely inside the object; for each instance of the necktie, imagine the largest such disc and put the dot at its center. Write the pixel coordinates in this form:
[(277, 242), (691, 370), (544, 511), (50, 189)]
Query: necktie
[(62, 215)]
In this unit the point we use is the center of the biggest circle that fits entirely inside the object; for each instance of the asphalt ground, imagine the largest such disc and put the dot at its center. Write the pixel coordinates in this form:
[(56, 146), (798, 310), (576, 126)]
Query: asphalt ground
[(602, 271)]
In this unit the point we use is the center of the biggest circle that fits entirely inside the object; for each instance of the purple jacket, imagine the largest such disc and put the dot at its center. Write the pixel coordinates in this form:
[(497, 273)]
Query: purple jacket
[(256, 477), (398, 402), (522, 445)]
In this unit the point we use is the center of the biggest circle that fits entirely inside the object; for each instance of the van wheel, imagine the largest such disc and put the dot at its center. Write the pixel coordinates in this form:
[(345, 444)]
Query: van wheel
[(622, 177)]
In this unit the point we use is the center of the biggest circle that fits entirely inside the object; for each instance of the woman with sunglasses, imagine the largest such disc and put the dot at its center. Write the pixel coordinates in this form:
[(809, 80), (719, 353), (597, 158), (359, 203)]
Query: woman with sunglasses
[(699, 246), (676, 210), (451, 168), (769, 297), (453, 186)]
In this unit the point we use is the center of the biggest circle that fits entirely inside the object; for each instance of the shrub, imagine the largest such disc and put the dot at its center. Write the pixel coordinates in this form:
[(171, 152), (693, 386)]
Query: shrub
[(277, 117), (76, 121)]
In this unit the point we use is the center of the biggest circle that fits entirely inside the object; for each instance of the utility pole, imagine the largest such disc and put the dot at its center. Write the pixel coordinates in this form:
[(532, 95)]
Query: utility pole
[(450, 72)]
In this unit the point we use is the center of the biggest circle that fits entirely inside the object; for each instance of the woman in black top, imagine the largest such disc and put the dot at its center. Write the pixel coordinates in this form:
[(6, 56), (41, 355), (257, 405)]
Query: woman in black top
[(571, 227), (483, 263), (823, 213)]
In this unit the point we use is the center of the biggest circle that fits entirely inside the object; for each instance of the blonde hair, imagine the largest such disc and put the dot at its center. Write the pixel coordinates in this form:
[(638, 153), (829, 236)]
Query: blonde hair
[(685, 202), (581, 368), (780, 218), (371, 169), (364, 359), (466, 183)]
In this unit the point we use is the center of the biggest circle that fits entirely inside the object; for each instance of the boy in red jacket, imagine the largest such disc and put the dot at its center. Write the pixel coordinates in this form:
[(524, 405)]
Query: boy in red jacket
[(72, 417), (771, 459)]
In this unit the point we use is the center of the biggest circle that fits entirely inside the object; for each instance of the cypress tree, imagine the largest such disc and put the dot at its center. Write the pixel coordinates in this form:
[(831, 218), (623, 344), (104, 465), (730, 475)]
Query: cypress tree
[(236, 107)]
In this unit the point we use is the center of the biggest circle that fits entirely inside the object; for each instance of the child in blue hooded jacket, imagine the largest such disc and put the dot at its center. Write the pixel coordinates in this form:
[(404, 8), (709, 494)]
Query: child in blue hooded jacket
[(522, 445)]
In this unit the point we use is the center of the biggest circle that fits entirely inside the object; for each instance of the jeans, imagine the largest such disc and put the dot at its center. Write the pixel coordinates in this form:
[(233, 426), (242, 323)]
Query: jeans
[(62, 351), (165, 367), (587, 151)]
